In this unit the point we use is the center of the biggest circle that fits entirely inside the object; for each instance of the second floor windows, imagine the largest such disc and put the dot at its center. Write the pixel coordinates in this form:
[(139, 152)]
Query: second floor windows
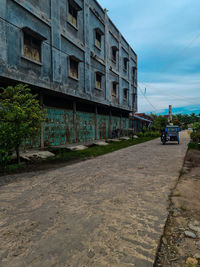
[(32, 45), (98, 81), (114, 89), (114, 50), (126, 63), (125, 94), (133, 75), (73, 67)]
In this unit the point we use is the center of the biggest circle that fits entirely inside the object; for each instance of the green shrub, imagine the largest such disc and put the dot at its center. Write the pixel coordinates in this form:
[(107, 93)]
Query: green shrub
[(195, 136), (196, 126), (5, 157), (140, 134), (192, 145)]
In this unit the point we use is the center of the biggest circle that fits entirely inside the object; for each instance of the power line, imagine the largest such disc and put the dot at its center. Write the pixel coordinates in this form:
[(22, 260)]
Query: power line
[(168, 94), (169, 64), (178, 54), (147, 99)]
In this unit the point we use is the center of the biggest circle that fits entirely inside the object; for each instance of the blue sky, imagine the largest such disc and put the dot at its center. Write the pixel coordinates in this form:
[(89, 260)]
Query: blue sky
[(165, 34)]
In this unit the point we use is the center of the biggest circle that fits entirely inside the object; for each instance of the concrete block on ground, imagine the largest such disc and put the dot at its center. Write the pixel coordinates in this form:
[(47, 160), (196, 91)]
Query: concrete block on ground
[(34, 155), (77, 148), (124, 138), (113, 140), (100, 143)]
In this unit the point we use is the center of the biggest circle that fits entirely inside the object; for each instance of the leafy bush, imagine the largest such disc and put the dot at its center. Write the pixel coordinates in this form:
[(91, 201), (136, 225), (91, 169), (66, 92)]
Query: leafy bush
[(196, 126), (151, 134), (4, 157), (192, 145), (195, 136), (140, 134)]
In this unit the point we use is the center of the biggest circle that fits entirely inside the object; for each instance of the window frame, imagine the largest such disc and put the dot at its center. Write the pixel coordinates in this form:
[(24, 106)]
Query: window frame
[(125, 64), (114, 57), (73, 61), (125, 94), (114, 84), (134, 75), (72, 17), (99, 75), (98, 42), (33, 36)]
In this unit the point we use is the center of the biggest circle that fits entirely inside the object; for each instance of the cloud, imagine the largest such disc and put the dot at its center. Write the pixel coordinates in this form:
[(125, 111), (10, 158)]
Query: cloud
[(166, 37)]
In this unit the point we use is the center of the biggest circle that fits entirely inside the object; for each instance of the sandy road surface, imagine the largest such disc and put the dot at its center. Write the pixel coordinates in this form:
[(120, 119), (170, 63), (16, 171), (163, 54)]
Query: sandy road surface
[(107, 211)]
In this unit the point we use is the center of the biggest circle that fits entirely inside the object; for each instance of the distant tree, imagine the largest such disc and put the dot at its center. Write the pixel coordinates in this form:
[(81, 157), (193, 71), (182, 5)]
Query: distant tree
[(187, 119), (20, 118), (175, 121), (160, 122)]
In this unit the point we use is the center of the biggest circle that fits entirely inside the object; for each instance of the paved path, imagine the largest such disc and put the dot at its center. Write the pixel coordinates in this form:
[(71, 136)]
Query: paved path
[(107, 211)]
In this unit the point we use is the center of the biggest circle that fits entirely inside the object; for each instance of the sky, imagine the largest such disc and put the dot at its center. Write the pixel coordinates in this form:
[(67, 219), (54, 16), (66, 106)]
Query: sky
[(165, 34)]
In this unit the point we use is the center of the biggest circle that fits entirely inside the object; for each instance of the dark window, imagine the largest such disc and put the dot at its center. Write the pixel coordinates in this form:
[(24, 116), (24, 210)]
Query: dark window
[(125, 64), (134, 74), (114, 53), (73, 15), (114, 89), (98, 39), (125, 94), (32, 47), (98, 81), (73, 68)]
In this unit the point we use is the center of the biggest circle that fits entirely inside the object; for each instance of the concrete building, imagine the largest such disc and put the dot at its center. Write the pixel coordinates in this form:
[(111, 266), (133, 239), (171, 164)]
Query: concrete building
[(72, 55)]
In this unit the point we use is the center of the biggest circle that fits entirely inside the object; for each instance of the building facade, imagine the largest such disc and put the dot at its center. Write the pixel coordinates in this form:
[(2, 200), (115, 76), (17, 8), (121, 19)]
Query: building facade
[(71, 54)]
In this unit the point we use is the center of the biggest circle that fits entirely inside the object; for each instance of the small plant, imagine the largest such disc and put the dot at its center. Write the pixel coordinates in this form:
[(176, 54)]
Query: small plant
[(183, 208), (181, 173), (192, 145), (195, 136), (140, 134), (196, 126)]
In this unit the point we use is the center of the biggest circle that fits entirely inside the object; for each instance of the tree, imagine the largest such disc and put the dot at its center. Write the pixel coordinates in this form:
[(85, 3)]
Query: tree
[(20, 117), (160, 122)]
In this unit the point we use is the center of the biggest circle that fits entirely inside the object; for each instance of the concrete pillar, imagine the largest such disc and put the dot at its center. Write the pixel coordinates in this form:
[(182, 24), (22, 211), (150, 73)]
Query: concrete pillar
[(120, 124), (130, 99), (3, 44), (87, 61), (42, 124), (75, 121), (110, 124), (120, 71), (96, 122), (107, 59), (56, 41)]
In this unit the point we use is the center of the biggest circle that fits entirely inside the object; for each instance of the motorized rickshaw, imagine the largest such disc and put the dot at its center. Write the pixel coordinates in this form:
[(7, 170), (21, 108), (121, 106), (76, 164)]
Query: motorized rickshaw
[(170, 133)]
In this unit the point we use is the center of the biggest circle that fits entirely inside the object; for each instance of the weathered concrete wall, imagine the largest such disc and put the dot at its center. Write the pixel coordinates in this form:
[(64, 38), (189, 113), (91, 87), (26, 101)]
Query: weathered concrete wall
[(49, 18), (60, 128)]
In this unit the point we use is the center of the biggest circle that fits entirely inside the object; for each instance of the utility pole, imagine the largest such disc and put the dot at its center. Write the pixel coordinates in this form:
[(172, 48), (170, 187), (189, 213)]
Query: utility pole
[(170, 114)]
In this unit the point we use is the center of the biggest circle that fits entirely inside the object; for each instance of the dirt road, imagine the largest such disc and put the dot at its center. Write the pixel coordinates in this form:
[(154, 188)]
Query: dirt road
[(107, 211)]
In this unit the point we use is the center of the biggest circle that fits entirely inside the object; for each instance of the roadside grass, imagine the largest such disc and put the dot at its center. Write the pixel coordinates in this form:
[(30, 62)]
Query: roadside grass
[(64, 155), (193, 145), (95, 151), (181, 173)]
